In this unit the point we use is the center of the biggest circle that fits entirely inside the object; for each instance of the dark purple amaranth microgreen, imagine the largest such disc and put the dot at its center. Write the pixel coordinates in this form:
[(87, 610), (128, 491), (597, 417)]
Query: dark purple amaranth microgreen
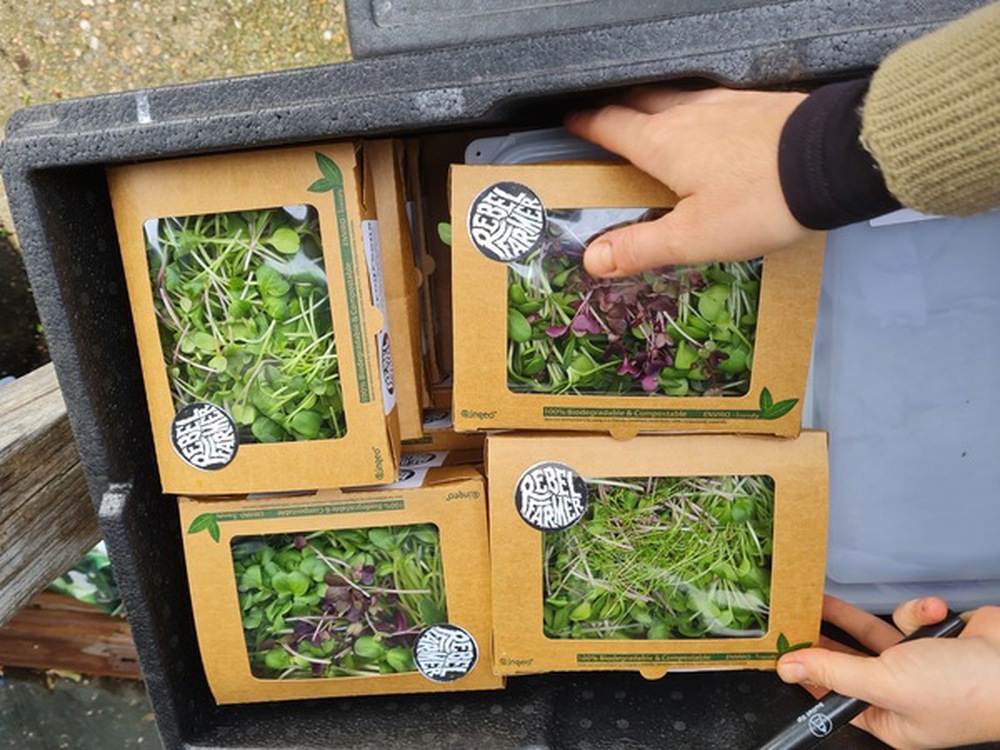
[(338, 603), (679, 331)]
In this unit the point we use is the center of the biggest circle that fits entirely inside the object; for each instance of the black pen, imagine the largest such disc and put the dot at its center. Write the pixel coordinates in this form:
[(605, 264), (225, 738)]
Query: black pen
[(834, 710)]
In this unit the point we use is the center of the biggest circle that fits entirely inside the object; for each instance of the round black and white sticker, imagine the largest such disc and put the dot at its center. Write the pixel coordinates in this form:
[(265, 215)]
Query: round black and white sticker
[(445, 652), (506, 221), (205, 436), (417, 459), (385, 357), (551, 496)]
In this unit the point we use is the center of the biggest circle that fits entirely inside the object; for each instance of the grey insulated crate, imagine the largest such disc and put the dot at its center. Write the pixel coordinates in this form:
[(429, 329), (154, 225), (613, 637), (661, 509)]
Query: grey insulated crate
[(53, 166), (379, 27)]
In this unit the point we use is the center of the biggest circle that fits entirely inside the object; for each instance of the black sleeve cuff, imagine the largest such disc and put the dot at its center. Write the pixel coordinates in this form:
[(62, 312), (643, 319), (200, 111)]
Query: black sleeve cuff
[(828, 178)]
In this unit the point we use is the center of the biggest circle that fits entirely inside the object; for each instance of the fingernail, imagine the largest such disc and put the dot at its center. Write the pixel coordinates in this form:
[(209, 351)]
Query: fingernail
[(600, 260), (791, 671)]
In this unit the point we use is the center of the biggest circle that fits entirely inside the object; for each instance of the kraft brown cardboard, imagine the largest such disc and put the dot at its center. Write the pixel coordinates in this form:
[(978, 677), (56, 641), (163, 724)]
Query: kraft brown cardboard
[(789, 291), (440, 435), (442, 394), (798, 468), (451, 498), (416, 195), (402, 279), (327, 179)]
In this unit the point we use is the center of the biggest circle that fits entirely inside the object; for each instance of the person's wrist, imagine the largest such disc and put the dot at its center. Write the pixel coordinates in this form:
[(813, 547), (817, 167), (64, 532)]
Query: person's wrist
[(828, 177)]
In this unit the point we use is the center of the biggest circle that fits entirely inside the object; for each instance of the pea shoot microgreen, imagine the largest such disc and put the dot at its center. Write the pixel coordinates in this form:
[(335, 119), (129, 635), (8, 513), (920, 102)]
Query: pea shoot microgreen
[(663, 558)]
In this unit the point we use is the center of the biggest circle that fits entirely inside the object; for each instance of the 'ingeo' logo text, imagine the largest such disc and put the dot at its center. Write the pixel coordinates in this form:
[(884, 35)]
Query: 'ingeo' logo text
[(506, 221), (551, 496)]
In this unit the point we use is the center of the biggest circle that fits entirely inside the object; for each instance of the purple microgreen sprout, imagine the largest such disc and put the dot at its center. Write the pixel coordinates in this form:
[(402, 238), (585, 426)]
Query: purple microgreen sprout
[(341, 603), (678, 331)]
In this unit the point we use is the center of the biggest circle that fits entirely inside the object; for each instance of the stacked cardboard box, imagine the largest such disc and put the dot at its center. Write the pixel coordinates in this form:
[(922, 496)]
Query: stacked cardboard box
[(303, 324), (654, 552), (275, 296)]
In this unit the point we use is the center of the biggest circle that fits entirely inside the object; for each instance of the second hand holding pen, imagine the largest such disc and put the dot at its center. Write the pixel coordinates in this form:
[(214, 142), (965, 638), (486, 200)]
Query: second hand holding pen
[(834, 710)]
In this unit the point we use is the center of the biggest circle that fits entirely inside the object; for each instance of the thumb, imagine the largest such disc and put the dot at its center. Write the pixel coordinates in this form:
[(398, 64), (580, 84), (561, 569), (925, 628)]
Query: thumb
[(852, 675), (642, 246)]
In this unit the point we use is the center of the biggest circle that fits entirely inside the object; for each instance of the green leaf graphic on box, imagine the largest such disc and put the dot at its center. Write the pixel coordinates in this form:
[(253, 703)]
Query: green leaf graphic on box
[(205, 521), (321, 185), (784, 647), (331, 172), (771, 410), (766, 402), (782, 643)]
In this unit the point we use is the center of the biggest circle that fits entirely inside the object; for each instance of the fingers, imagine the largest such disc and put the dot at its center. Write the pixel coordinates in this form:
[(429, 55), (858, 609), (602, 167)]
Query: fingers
[(832, 645), (686, 235), (617, 128), (653, 99), (643, 246), (983, 623), (916, 613), (867, 629), (856, 676)]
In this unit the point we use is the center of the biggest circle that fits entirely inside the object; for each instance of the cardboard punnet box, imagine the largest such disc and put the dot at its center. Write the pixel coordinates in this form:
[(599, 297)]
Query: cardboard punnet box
[(256, 292), (402, 280), (716, 347), (415, 464), (336, 593), (417, 199), (661, 552), (440, 435)]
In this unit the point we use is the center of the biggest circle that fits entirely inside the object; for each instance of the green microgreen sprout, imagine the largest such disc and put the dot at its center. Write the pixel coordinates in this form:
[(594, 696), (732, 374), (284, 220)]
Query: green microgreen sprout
[(663, 558), (338, 603), (244, 318), (677, 331)]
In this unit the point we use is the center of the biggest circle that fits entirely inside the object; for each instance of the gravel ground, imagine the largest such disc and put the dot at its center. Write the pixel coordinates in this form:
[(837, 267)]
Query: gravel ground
[(61, 49)]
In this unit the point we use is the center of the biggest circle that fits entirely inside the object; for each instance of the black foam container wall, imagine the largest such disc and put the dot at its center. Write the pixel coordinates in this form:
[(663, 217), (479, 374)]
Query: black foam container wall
[(53, 166)]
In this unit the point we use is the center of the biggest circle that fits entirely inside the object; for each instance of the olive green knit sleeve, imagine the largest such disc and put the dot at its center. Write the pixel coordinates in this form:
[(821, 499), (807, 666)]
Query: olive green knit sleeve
[(932, 117)]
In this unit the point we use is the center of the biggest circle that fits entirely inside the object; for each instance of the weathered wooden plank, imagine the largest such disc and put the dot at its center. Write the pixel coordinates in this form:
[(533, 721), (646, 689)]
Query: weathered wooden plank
[(57, 632), (46, 519)]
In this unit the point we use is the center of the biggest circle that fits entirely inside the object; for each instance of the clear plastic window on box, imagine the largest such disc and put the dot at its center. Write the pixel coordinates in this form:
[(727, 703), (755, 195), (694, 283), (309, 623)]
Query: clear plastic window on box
[(243, 311), (338, 603), (676, 331), (662, 558)]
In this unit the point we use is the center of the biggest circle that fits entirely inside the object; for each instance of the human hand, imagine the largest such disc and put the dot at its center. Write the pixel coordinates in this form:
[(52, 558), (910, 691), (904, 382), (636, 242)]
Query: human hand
[(925, 693), (717, 149)]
